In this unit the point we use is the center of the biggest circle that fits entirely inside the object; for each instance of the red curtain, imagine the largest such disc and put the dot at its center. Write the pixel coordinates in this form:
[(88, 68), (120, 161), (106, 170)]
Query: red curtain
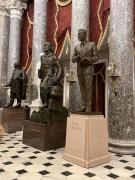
[(98, 89), (58, 22), (27, 36), (99, 12)]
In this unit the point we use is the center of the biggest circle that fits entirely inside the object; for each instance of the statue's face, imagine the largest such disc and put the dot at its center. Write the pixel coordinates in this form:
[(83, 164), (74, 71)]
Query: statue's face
[(81, 35), (46, 47), (16, 65)]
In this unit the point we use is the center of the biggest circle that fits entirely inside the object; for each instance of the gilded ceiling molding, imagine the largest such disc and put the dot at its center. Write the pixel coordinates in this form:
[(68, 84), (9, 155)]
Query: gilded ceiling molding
[(63, 2)]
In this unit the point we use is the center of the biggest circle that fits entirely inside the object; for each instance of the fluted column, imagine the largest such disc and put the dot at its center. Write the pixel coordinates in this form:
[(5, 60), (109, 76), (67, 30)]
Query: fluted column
[(122, 106), (16, 9), (80, 19), (39, 35)]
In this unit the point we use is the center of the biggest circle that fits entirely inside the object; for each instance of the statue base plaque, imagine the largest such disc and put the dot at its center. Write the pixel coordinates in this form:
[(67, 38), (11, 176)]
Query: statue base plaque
[(13, 119), (87, 140)]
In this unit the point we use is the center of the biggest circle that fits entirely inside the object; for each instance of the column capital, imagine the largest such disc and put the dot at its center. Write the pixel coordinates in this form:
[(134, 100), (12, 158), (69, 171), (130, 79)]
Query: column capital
[(16, 4), (3, 5), (16, 8)]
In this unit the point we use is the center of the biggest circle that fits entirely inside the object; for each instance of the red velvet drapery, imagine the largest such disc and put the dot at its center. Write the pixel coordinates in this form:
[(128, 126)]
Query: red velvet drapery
[(27, 36), (58, 22), (99, 12)]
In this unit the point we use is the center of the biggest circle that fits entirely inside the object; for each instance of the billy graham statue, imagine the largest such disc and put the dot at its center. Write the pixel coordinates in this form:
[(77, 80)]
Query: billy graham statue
[(85, 57)]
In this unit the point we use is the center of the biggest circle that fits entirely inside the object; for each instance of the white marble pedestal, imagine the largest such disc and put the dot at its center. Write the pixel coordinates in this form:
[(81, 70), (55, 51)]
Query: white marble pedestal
[(87, 140)]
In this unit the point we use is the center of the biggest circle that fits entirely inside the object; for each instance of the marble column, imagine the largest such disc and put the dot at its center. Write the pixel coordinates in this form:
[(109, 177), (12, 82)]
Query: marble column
[(16, 9), (4, 38), (80, 19), (39, 35), (121, 107)]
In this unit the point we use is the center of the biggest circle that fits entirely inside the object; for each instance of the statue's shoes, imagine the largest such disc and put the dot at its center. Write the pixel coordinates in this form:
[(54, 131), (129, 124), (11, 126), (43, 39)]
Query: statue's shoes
[(83, 110), (45, 105), (17, 106), (8, 105)]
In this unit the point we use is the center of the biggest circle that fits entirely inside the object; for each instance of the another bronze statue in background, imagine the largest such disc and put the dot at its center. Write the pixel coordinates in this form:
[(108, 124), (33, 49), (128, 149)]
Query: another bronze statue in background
[(18, 84), (85, 56), (51, 75)]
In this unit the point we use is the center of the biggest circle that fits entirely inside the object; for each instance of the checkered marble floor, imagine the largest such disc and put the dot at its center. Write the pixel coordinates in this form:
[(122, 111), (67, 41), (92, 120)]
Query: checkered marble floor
[(21, 162)]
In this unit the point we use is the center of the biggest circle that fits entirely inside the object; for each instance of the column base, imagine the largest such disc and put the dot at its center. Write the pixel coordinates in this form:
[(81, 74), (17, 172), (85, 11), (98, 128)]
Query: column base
[(121, 148)]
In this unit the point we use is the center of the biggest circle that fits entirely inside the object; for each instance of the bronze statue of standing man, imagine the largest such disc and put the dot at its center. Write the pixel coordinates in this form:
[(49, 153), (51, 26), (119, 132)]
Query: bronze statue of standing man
[(85, 57), (18, 84)]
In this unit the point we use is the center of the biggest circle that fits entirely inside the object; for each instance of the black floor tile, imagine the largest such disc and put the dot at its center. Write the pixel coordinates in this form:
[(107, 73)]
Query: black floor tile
[(20, 151), (27, 163), (2, 170), (15, 156), (89, 174), (4, 151), (123, 161), (129, 168), (22, 171), (66, 173), (53, 152), (8, 163), (108, 167), (10, 147), (114, 176), (47, 164), (44, 172), (32, 157), (67, 165), (36, 152), (50, 158)]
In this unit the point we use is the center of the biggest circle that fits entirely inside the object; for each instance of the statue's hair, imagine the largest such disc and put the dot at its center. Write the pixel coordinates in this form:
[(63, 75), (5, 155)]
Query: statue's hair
[(50, 45), (18, 64), (83, 30)]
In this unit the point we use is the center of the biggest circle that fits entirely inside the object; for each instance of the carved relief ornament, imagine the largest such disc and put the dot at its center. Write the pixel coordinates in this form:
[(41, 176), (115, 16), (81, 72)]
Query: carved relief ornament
[(16, 4)]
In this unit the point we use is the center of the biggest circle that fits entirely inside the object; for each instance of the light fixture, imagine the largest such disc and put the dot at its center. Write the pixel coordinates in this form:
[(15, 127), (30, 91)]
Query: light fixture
[(114, 76)]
